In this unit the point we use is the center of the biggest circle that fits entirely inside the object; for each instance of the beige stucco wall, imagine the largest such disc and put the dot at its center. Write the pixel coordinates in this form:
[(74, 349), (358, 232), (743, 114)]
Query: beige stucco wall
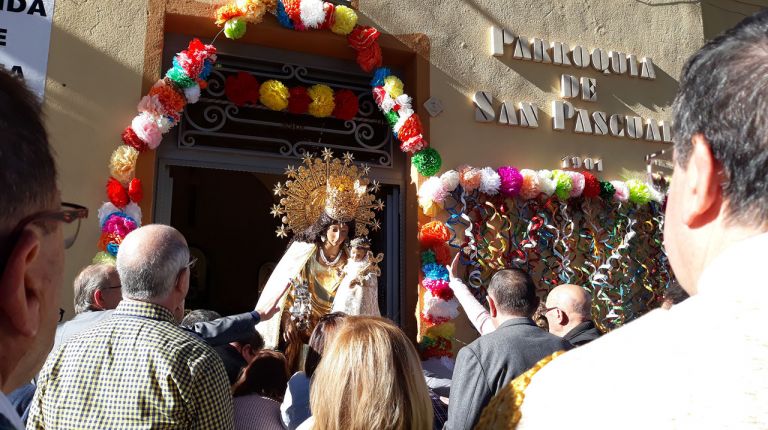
[(97, 53), (459, 36), (94, 82)]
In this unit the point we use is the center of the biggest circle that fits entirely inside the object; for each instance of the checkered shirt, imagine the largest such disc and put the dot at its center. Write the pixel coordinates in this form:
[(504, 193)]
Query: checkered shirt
[(136, 370)]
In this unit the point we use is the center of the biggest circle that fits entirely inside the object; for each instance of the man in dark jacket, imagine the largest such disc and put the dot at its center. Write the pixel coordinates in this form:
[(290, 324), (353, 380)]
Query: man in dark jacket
[(488, 364), (568, 311)]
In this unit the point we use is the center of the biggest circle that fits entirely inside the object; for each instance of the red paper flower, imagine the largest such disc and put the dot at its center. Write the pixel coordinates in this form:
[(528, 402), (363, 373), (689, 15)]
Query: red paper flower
[(591, 185), (117, 193), (330, 18), (107, 238), (410, 135), (378, 94), (131, 139), (242, 88), (442, 253), (196, 48), (135, 190), (299, 100), (363, 37), (346, 105), (438, 288), (293, 10), (370, 58), (433, 233)]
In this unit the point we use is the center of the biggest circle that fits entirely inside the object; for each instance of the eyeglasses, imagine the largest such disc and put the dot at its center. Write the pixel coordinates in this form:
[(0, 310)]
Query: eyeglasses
[(61, 314), (545, 310), (192, 263), (70, 214)]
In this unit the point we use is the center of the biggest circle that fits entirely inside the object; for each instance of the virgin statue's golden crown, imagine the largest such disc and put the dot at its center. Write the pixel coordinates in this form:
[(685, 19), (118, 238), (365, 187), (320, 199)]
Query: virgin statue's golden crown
[(326, 184)]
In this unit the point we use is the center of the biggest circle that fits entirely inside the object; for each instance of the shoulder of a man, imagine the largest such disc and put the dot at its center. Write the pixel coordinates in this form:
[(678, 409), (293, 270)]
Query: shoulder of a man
[(613, 354)]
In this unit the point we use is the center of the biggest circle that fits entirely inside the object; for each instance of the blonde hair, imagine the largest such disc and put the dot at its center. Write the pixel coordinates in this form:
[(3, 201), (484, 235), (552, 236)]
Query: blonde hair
[(370, 378)]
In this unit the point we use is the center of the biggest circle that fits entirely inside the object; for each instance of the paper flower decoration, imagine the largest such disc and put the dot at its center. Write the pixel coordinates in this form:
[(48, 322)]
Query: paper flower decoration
[(346, 105), (122, 164), (242, 88), (511, 181), (344, 20), (322, 101), (427, 161), (274, 95), (433, 233)]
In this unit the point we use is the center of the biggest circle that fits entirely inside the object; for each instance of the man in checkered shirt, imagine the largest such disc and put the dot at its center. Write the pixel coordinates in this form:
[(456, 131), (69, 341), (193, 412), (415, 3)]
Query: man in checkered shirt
[(138, 369)]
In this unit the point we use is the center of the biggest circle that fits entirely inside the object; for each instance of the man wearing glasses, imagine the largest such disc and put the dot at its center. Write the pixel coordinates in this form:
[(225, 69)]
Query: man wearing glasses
[(34, 230), (138, 367)]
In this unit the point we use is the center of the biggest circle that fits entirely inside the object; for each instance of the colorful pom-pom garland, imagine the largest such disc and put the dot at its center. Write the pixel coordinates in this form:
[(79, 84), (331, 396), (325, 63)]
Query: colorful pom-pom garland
[(182, 84), (318, 100), (439, 305), (529, 184), (388, 89), (158, 111)]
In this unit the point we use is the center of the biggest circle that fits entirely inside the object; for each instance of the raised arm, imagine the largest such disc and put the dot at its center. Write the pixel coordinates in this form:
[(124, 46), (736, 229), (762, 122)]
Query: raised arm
[(477, 314)]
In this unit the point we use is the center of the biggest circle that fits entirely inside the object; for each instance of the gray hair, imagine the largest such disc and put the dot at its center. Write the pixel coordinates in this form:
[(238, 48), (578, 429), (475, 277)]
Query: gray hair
[(150, 260), (91, 279)]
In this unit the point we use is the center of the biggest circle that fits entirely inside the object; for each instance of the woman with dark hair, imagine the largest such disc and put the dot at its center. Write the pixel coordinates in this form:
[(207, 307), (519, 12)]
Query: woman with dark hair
[(258, 391), (295, 408)]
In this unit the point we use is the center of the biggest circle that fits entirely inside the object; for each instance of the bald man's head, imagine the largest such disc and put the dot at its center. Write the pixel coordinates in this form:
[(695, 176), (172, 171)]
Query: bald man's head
[(149, 261), (569, 305)]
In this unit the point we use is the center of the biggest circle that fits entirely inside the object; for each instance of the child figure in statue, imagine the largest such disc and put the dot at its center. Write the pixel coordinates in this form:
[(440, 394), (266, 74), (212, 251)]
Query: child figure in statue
[(358, 293)]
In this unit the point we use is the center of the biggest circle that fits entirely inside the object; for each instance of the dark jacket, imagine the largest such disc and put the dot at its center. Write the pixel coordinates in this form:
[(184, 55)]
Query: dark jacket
[(486, 365), (583, 333)]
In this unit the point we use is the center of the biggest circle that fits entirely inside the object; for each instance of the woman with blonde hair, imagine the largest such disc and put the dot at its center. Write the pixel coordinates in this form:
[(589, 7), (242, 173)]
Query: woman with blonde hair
[(369, 378)]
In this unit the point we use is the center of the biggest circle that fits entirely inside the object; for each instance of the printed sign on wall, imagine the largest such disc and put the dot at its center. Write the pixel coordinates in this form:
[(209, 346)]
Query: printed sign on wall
[(25, 36)]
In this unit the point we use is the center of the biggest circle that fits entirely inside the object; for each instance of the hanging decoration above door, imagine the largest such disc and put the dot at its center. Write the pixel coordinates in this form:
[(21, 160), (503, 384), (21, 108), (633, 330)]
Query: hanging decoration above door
[(161, 109)]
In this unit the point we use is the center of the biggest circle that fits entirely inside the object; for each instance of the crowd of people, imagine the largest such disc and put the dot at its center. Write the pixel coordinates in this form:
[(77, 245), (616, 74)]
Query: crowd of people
[(131, 358)]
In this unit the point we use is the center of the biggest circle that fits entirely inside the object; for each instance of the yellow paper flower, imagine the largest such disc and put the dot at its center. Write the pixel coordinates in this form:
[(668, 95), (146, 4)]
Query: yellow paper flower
[(446, 330), (102, 257), (253, 9), (345, 20), (322, 101), (274, 95), (122, 164), (393, 86)]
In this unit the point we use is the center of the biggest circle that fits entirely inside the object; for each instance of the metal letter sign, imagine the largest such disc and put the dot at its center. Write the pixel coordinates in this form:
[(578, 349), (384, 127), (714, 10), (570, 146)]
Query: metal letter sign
[(25, 36)]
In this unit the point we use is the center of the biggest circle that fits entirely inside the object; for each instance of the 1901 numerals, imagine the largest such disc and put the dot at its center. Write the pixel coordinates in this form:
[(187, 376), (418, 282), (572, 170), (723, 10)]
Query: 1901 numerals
[(576, 162)]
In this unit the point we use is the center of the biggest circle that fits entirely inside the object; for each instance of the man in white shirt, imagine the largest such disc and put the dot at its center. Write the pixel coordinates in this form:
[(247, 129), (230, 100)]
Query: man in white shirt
[(704, 363)]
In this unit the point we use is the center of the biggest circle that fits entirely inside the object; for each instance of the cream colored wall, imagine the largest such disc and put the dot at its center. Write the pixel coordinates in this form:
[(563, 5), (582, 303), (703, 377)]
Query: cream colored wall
[(94, 82), (458, 31)]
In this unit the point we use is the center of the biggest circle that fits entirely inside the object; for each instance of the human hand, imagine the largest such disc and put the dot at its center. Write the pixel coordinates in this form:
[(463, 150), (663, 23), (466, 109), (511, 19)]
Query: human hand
[(453, 268)]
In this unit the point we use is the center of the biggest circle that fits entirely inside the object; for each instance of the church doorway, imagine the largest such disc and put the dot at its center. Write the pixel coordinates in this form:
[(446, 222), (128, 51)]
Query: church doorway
[(217, 169)]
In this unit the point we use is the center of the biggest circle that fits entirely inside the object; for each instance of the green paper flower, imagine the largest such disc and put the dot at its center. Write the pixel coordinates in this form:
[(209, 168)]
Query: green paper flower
[(607, 190), (428, 257), (392, 118), (427, 162), (234, 28), (180, 78), (564, 184), (639, 193)]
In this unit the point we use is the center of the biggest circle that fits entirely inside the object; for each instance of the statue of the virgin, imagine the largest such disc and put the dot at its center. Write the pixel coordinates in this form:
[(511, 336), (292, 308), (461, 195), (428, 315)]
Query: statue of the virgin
[(320, 203)]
